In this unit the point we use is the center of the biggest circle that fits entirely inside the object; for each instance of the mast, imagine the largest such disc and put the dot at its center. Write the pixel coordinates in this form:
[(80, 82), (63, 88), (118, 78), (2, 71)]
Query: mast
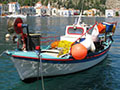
[(79, 19)]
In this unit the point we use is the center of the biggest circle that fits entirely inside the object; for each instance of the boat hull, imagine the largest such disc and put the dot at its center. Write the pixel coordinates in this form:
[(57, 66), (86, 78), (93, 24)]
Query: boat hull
[(29, 68)]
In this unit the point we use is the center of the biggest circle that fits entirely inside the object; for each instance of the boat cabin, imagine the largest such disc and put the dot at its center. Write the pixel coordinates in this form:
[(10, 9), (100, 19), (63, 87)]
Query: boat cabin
[(73, 32)]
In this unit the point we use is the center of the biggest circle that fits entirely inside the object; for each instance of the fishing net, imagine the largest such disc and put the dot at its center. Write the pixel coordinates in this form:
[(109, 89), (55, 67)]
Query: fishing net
[(63, 46)]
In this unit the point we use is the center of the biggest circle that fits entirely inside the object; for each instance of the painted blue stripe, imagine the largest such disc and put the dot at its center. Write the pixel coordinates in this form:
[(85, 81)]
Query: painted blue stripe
[(66, 62)]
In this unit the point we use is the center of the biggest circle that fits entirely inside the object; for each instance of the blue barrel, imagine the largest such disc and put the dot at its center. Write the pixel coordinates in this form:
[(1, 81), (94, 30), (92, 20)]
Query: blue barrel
[(109, 27)]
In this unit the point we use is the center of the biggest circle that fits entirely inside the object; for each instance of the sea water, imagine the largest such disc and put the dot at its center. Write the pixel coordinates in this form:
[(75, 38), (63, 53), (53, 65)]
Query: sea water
[(104, 76)]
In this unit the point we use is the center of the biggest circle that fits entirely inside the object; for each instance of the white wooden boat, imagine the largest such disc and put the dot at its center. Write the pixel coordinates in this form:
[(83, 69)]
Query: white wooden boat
[(83, 46)]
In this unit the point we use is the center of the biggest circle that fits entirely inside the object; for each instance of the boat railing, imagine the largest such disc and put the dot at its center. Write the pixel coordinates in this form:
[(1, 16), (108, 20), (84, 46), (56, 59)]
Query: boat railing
[(45, 41)]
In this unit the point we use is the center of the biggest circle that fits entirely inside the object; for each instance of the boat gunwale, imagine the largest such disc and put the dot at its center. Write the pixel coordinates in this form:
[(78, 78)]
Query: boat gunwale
[(89, 57)]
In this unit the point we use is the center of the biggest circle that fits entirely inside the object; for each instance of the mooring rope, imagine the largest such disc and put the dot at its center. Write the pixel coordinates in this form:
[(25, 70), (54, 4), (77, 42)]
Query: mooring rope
[(38, 69), (42, 80), (2, 53), (41, 75)]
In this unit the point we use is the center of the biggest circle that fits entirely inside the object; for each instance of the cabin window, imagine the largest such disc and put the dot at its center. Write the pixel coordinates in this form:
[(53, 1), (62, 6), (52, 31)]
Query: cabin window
[(75, 30)]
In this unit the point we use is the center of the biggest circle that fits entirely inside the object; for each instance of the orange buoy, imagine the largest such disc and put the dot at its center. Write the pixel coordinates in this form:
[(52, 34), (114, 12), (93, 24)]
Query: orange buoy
[(79, 51)]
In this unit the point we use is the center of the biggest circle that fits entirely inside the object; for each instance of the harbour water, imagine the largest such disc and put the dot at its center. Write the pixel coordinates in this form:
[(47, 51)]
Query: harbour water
[(104, 76)]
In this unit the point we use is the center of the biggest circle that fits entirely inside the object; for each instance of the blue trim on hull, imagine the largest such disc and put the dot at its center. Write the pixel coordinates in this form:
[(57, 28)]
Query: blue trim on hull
[(90, 57)]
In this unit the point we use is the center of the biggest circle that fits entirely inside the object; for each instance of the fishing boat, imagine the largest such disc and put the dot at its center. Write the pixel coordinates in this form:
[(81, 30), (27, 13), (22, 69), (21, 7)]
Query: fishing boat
[(83, 46)]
